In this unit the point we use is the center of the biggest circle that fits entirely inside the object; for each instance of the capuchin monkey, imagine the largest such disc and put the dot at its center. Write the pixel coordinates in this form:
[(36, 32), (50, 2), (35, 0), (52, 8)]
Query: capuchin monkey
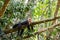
[(26, 23)]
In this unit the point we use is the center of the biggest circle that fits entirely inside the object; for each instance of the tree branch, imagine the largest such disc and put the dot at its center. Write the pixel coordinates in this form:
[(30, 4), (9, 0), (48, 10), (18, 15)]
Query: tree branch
[(33, 23), (56, 11), (43, 29), (4, 7), (55, 21)]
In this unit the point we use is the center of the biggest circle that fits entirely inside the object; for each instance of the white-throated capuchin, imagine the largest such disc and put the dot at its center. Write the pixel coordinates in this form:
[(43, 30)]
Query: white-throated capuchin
[(27, 23)]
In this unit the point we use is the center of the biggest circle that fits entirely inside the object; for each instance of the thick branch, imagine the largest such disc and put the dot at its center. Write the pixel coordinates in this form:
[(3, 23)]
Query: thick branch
[(4, 7), (56, 11), (33, 23), (44, 29), (43, 21)]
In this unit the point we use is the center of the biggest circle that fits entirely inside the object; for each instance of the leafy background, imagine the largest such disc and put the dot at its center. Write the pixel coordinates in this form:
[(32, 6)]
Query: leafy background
[(20, 10)]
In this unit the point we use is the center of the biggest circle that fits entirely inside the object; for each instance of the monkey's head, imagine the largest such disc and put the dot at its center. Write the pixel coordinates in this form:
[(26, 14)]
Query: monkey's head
[(29, 20)]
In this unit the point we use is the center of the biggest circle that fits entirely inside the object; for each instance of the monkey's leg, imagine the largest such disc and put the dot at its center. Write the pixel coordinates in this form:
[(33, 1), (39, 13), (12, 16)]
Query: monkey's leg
[(18, 32), (28, 28), (19, 26), (31, 27), (22, 30)]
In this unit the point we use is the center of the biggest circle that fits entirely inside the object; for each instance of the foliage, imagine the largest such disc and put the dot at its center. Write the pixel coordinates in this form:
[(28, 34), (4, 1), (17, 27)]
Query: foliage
[(39, 10)]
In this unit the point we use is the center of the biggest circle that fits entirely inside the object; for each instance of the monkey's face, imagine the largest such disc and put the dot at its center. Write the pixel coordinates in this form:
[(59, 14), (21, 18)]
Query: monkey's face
[(29, 20)]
